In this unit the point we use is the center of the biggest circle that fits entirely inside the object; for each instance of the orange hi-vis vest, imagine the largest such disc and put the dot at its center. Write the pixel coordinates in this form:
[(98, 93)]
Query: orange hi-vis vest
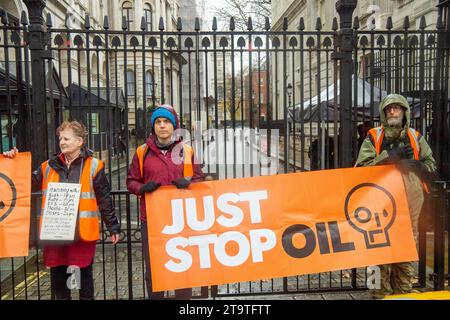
[(88, 210), (188, 169), (413, 135)]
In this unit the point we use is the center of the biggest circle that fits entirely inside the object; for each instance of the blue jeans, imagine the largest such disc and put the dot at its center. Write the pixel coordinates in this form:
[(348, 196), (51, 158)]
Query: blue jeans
[(180, 294)]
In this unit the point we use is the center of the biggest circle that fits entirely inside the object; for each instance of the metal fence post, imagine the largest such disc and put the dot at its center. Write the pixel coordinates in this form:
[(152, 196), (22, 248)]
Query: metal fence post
[(438, 205), (36, 40), (440, 136), (35, 37), (345, 47), (344, 52), (447, 216)]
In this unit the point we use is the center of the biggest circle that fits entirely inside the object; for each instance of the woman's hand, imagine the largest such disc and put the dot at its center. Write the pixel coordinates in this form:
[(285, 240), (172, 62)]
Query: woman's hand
[(11, 153), (115, 238)]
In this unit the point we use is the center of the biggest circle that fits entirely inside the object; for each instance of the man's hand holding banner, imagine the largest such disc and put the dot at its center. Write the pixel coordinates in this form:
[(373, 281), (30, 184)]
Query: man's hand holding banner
[(275, 226), (15, 187)]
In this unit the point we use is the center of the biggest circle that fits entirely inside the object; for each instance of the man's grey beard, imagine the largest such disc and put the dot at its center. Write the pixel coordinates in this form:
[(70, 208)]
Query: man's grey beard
[(395, 122)]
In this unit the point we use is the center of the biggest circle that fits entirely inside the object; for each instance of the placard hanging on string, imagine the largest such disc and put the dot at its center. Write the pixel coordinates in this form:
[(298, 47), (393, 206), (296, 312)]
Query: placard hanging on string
[(60, 212)]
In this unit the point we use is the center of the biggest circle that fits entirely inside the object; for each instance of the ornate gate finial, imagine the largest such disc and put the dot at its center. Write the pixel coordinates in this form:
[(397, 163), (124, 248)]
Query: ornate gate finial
[(345, 9)]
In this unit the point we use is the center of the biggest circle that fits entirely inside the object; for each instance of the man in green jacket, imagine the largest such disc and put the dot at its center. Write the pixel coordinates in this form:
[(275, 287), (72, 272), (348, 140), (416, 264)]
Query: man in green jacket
[(396, 143)]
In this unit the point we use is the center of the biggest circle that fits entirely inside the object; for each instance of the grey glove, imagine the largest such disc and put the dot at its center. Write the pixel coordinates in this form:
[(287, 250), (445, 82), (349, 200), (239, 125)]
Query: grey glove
[(418, 167), (149, 187), (182, 183), (399, 153)]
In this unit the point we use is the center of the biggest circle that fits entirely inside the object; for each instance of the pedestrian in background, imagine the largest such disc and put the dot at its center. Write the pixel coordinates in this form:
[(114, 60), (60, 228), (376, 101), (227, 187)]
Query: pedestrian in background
[(122, 143)]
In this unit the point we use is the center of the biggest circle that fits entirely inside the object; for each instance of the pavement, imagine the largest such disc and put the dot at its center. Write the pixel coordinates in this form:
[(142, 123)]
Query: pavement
[(351, 295)]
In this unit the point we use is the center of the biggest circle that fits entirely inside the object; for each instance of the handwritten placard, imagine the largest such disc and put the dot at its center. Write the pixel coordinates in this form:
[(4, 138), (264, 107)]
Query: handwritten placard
[(60, 211)]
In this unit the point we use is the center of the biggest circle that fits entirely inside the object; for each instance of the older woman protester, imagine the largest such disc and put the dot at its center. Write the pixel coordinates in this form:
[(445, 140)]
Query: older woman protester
[(76, 164)]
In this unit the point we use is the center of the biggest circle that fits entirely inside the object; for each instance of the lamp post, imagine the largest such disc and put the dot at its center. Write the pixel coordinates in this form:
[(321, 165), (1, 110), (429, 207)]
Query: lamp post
[(252, 107), (289, 92), (154, 84)]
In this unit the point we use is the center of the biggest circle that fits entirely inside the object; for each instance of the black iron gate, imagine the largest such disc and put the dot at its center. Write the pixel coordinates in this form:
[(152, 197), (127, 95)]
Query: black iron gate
[(271, 90)]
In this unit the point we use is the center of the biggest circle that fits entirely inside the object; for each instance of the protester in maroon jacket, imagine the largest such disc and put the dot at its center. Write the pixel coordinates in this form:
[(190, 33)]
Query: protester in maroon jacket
[(159, 169)]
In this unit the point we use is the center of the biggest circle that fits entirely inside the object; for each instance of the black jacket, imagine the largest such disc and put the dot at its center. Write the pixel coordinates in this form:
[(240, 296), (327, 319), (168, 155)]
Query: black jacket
[(102, 187)]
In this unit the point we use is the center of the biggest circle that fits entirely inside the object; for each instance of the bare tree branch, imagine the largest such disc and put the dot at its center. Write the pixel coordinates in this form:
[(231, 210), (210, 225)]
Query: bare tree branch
[(241, 10)]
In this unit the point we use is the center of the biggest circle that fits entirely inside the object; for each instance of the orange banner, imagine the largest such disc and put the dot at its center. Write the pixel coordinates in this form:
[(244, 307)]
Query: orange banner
[(275, 226), (15, 191)]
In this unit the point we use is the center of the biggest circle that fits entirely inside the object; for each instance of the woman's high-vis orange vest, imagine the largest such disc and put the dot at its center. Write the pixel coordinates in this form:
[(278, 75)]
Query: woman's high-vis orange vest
[(88, 211), (188, 169), (413, 135)]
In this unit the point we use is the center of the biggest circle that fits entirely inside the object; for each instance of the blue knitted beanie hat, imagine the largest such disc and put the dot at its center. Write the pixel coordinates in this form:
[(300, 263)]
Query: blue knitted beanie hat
[(162, 112)]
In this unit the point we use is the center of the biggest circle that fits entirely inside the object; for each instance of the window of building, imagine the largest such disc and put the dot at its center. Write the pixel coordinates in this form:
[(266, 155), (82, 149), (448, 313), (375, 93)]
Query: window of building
[(13, 20), (148, 84), (66, 115), (131, 85), (167, 20), (220, 93), (177, 9), (127, 12), (6, 127), (95, 122), (402, 3), (148, 16)]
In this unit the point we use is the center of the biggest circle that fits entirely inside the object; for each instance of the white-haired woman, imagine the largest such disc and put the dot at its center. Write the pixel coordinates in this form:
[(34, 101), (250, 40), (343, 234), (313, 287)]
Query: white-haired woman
[(76, 164)]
